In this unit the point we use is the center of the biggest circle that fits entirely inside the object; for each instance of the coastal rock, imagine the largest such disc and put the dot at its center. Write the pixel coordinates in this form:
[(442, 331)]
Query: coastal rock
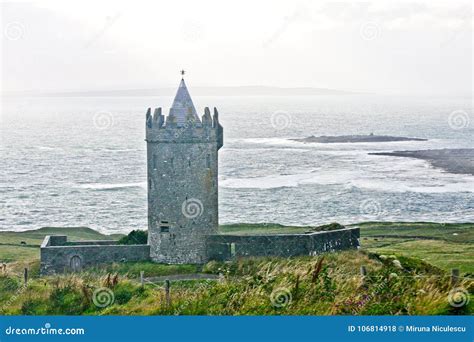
[(354, 139), (459, 161)]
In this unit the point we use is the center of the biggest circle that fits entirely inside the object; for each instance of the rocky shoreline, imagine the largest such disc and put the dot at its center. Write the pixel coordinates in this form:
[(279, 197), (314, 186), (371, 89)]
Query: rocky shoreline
[(354, 139), (459, 161)]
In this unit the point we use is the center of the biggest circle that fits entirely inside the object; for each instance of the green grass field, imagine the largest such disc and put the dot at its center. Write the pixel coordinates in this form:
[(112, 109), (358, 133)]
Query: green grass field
[(12, 248), (408, 273), (250, 286), (444, 245)]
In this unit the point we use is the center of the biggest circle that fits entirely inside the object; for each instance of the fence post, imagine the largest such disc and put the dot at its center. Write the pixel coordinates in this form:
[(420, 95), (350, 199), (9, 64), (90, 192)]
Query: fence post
[(167, 293), (297, 286), (454, 276), (363, 274), (25, 276), (142, 281)]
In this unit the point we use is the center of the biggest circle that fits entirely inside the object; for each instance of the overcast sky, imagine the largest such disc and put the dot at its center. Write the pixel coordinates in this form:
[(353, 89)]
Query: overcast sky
[(380, 46)]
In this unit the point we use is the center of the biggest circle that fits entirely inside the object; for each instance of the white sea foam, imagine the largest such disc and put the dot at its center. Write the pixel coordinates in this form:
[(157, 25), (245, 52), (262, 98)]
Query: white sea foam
[(266, 182), (422, 178), (100, 186), (268, 141), (47, 148)]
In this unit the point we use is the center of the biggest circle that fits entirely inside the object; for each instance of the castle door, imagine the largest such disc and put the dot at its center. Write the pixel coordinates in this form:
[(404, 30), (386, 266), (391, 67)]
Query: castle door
[(76, 263)]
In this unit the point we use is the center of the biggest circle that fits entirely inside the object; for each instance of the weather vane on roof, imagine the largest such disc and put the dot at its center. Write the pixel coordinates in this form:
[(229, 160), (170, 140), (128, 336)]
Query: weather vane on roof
[(182, 72)]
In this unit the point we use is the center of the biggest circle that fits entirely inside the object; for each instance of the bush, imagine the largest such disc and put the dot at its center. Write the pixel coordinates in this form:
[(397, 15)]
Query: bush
[(123, 292), (329, 227), (8, 284), (34, 306), (135, 237), (67, 299)]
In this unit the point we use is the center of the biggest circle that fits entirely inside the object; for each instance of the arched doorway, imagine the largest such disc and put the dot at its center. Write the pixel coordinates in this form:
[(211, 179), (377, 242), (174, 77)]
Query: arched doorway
[(76, 263)]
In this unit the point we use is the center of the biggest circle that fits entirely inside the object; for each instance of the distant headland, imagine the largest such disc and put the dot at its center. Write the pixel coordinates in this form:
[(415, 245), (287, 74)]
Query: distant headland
[(199, 91), (459, 161), (354, 139)]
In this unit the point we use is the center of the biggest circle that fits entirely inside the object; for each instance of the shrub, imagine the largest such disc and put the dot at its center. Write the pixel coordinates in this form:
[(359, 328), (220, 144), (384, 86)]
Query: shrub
[(329, 227), (8, 284), (34, 306), (123, 292), (135, 237), (67, 299)]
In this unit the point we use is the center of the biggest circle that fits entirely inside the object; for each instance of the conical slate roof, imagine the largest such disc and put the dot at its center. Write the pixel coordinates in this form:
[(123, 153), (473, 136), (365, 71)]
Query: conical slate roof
[(183, 106)]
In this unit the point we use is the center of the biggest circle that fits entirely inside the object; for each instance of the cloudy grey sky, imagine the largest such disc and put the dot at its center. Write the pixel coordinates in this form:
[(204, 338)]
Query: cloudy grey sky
[(381, 46)]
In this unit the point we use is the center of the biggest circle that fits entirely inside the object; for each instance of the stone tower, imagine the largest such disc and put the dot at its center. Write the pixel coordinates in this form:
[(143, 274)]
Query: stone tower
[(182, 180)]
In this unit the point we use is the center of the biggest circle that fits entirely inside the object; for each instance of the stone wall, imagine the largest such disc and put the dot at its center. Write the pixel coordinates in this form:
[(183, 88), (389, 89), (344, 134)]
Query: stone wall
[(227, 247), (58, 255)]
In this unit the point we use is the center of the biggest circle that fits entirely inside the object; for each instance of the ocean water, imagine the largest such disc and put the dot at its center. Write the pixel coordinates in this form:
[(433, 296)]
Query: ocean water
[(81, 161)]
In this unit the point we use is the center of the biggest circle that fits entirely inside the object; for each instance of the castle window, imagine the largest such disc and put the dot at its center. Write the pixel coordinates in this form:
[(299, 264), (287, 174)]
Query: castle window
[(155, 163), (208, 161), (164, 227), (150, 184), (189, 162)]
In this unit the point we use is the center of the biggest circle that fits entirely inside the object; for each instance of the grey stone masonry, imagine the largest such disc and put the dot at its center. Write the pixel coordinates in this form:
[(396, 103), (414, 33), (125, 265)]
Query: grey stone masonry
[(58, 255), (227, 247), (182, 159)]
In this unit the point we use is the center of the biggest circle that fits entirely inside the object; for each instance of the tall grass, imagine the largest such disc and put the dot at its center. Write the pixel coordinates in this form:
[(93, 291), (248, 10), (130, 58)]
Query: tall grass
[(254, 286)]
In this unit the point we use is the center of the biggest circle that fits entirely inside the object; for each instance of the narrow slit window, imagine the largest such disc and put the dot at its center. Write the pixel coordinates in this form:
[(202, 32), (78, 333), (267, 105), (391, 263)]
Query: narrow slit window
[(164, 227)]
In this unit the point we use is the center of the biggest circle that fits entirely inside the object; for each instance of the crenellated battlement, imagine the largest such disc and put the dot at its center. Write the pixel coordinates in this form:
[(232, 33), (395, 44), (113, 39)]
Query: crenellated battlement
[(166, 129)]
